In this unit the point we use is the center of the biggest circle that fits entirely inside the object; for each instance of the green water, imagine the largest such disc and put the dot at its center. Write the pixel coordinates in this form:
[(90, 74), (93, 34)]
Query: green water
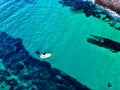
[(49, 27)]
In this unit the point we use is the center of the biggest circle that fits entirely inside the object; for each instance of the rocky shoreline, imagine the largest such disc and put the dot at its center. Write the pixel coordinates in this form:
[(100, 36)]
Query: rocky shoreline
[(110, 4), (90, 8)]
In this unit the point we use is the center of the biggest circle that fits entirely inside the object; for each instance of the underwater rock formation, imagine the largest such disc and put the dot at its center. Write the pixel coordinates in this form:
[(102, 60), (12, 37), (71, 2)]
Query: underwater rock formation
[(23, 72), (110, 4), (91, 9), (104, 42)]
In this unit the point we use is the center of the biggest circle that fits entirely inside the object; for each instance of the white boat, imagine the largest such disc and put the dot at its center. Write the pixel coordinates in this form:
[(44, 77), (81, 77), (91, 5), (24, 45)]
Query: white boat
[(45, 55)]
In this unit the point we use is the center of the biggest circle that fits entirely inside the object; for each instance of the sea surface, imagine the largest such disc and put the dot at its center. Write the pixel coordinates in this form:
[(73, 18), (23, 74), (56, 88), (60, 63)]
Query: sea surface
[(48, 26)]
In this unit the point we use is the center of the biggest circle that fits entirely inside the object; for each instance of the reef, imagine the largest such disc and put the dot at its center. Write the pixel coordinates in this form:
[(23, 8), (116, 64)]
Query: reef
[(91, 9), (110, 4), (23, 72), (104, 42)]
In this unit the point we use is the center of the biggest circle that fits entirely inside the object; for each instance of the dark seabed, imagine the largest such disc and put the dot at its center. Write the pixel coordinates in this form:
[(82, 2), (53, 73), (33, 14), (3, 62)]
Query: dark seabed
[(82, 37)]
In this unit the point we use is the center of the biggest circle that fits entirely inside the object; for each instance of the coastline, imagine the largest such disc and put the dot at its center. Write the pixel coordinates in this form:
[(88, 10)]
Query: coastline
[(112, 4)]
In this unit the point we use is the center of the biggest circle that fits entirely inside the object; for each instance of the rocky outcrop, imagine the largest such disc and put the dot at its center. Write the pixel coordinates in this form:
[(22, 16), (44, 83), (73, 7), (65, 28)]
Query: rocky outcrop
[(23, 72), (104, 42), (91, 9), (110, 4)]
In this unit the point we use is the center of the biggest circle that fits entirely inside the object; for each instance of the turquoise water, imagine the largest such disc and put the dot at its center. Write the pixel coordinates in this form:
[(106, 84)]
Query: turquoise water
[(47, 26)]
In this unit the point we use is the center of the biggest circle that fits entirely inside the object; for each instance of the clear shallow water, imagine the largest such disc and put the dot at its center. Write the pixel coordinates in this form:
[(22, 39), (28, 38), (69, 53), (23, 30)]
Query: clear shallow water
[(48, 27)]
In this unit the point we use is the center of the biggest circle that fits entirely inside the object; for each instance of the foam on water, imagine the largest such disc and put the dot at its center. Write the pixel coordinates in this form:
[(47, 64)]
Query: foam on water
[(112, 13)]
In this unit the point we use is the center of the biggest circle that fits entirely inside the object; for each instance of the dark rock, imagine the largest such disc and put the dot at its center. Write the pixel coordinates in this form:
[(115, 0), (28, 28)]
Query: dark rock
[(104, 42), (19, 87), (2, 87), (62, 87), (91, 9), (19, 66), (37, 52), (4, 73), (109, 84), (12, 82), (30, 71), (113, 5), (33, 88), (25, 77), (2, 78)]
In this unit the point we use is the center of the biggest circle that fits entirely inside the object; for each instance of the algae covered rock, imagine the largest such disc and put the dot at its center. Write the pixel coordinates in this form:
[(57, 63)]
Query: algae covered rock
[(23, 72)]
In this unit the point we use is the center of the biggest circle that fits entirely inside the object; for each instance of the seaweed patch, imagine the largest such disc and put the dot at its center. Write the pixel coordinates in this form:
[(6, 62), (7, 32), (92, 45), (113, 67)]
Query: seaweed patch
[(104, 42), (23, 72), (92, 9)]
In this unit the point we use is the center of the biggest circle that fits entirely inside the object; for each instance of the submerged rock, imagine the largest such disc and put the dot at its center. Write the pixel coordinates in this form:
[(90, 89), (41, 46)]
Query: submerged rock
[(104, 42), (90, 8), (23, 72)]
